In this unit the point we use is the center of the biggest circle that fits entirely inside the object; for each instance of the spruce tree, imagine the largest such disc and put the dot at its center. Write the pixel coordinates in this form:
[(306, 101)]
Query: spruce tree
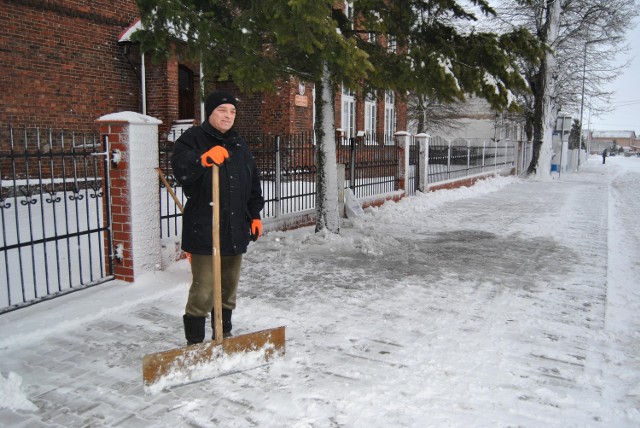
[(255, 42)]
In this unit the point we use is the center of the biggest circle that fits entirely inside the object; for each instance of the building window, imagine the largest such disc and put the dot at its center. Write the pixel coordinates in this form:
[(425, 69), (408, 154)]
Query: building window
[(370, 116), (348, 10), (392, 45), (186, 93), (389, 116), (348, 113)]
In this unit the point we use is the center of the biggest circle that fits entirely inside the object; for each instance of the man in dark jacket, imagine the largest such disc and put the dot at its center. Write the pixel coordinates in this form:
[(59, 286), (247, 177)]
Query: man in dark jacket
[(195, 152)]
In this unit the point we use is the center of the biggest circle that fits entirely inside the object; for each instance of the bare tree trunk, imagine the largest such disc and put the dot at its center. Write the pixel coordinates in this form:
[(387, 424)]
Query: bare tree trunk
[(537, 120), (327, 211), (545, 109)]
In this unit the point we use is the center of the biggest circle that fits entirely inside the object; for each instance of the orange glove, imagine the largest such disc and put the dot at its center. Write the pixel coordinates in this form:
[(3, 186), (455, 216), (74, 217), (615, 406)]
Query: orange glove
[(256, 229), (216, 154)]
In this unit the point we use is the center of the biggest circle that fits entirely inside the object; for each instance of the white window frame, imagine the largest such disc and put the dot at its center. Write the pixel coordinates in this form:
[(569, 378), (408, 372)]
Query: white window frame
[(348, 10), (389, 116), (392, 44), (348, 124), (370, 116)]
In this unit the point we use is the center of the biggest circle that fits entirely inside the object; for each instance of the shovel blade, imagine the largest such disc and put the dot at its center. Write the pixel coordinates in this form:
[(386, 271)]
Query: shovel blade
[(180, 362)]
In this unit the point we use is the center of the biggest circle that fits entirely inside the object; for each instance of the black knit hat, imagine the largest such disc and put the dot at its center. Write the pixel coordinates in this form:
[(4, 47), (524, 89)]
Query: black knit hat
[(215, 99)]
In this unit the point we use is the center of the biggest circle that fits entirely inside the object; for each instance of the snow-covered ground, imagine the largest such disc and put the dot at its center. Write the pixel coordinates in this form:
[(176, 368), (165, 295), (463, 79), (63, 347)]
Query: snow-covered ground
[(513, 303)]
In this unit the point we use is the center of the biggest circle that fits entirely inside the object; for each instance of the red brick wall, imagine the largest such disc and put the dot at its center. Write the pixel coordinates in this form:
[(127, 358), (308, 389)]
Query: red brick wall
[(63, 68), (302, 116), (280, 114), (401, 114), (162, 91), (120, 202), (60, 62)]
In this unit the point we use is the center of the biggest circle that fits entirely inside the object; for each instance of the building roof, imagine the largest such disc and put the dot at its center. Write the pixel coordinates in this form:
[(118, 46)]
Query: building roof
[(614, 134)]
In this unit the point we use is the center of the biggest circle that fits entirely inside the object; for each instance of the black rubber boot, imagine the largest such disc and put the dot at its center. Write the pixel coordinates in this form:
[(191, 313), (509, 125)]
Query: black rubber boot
[(226, 324), (193, 329)]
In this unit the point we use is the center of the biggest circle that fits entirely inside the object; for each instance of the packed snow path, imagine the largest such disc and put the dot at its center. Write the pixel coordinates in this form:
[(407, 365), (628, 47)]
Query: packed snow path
[(512, 303)]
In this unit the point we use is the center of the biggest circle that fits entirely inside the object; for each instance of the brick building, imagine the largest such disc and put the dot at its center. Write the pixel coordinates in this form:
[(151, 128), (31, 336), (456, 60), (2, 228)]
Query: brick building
[(610, 140), (66, 63)]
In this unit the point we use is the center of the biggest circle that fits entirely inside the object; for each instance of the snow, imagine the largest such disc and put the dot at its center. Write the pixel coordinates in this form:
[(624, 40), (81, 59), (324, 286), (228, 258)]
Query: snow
[(130, 117), (490, 80), (511, 303), (144, 193), (191, 368), (445, 64), (12, 395)]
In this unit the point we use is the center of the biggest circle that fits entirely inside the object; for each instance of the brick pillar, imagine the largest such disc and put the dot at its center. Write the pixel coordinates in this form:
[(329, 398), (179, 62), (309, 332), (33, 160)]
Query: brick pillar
[(403, 159), (134, 192)]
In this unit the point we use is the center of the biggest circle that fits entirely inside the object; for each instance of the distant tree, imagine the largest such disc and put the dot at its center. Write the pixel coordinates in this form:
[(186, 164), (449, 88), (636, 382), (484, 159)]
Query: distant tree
[(582, 39), (431, 116), (575, 135)]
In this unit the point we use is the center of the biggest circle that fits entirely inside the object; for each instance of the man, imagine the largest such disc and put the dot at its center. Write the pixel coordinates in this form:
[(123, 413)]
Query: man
[(215, 141)]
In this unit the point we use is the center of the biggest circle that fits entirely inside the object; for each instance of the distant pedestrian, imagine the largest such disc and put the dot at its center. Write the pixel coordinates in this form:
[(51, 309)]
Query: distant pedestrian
[(604, 156)]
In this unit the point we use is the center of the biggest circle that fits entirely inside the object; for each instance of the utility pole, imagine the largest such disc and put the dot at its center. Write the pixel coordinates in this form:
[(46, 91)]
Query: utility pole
[(584, 73)]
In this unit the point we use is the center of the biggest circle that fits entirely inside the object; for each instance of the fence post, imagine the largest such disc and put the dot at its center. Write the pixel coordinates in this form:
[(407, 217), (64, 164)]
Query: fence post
[(507, 159), (133, 144), (278, 189), (352, 164), (484, 150), (341, 198), (423, 161), (403, 160), (448, 160)]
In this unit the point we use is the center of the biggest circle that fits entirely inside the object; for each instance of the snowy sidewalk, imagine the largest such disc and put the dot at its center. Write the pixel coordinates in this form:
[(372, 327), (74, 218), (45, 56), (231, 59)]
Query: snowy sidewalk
[(512, 303)]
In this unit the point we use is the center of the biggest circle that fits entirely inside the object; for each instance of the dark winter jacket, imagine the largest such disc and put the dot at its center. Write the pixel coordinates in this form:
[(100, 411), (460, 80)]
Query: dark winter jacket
[(240, 192)]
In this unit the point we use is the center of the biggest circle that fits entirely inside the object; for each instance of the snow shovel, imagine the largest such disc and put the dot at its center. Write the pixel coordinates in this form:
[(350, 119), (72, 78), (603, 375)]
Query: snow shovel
[(194, 363)]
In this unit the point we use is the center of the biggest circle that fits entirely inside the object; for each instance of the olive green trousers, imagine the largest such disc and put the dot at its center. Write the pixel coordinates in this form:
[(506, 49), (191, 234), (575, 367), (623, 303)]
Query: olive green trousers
[(200, 301)]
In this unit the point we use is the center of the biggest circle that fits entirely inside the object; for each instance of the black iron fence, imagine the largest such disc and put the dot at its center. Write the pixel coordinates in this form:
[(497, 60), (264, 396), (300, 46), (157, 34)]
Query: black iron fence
[(413, 173), (371, 166), (170, 214), (288, 169), (55, 223), (54, 233)]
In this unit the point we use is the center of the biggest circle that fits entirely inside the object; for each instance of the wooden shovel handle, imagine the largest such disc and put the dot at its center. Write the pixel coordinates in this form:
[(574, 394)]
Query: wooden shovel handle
[(170, 190), (217, 265)]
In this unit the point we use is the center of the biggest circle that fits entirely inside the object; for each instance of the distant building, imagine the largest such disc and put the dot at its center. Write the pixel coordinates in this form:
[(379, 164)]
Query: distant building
[(476, 120), (597, 141)]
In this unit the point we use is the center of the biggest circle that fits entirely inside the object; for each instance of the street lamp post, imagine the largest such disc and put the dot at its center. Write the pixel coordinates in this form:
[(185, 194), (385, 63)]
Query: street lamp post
[(584, 72), (560, 125)]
